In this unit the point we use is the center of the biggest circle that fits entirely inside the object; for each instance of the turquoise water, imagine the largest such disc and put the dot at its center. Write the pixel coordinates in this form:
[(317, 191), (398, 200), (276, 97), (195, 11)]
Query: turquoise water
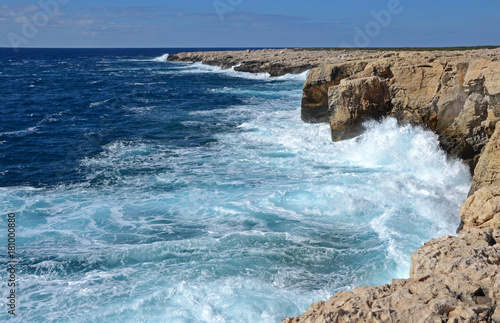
[(150, 191)]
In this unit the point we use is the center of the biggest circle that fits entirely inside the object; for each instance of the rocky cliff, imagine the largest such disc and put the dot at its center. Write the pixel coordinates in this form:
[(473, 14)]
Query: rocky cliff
[(457, 95)]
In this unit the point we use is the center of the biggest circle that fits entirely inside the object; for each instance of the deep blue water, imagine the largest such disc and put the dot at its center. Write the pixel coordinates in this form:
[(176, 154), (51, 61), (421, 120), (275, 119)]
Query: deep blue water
[(150, 191)]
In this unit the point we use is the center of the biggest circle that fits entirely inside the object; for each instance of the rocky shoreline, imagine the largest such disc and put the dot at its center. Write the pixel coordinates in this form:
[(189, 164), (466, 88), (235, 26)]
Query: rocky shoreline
[(276, 62), (457, 95)]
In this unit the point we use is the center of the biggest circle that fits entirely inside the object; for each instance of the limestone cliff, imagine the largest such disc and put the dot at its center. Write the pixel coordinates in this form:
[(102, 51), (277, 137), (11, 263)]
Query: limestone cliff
[(457, 95), (482, 207)]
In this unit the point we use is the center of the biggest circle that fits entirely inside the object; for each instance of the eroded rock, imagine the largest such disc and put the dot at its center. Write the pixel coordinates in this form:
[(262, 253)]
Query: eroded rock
[(455, 94), (354, 101), (452, 279), (315, 92)]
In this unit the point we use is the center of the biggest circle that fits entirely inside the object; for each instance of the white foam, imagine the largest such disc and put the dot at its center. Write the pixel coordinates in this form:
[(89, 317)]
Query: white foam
[(20, 132), (405, 149), (99, 103), (295, 77), (200, 68), (162, 58)]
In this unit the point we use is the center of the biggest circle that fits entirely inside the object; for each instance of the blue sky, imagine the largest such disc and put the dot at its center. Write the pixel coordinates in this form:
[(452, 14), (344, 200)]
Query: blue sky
[(248, 23)]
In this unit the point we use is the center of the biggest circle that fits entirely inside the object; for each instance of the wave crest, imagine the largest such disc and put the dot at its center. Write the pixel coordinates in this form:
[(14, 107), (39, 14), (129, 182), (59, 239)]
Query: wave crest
[(162, 58)]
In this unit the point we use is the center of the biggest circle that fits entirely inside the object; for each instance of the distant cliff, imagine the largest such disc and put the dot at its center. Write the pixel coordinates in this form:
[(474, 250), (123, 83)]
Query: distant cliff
[(276, 62)]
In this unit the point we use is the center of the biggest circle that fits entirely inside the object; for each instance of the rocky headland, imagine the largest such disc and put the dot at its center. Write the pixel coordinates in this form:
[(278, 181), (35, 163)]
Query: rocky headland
[(276, 62), (456, 94)]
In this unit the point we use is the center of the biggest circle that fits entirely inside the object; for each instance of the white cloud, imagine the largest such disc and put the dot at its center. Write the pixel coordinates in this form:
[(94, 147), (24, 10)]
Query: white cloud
[(21, 20), (84, 22), (31, 8)]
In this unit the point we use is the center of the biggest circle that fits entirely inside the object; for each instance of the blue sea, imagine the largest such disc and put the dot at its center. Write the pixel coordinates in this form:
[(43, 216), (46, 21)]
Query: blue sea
[(153, 191)]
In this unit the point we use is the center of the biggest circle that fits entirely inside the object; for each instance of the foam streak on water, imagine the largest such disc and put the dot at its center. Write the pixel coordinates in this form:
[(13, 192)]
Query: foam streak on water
[(225, 209)]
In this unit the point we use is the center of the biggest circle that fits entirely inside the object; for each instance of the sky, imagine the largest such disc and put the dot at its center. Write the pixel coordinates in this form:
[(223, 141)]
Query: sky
[(248, 23)]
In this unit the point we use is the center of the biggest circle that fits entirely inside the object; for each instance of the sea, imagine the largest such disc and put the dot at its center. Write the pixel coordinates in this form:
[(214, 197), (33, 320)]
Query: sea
[(154, 191)]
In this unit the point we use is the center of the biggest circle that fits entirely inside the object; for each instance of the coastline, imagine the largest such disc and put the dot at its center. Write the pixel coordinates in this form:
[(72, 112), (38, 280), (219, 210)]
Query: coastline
[(276, 62), (457, 95)]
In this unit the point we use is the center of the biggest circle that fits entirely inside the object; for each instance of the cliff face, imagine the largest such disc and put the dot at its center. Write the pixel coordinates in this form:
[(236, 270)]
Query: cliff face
[(452, 279), (457, 95), (482, 207)]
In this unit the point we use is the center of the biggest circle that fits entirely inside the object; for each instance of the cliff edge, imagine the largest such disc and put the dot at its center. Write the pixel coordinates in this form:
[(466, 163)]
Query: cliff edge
[(457, 95)]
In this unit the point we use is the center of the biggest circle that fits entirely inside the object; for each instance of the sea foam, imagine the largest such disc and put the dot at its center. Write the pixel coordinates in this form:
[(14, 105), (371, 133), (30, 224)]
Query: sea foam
[(199, 68), (162, 58)]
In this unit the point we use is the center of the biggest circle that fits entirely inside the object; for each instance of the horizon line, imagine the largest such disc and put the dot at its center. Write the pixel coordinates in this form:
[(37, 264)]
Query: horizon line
[(264, 47)]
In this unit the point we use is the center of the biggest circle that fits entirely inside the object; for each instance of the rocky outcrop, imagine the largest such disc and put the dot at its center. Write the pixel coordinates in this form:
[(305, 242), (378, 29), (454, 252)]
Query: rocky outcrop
[(455, 94), (276, 62), (452, 279), (319, 80)]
